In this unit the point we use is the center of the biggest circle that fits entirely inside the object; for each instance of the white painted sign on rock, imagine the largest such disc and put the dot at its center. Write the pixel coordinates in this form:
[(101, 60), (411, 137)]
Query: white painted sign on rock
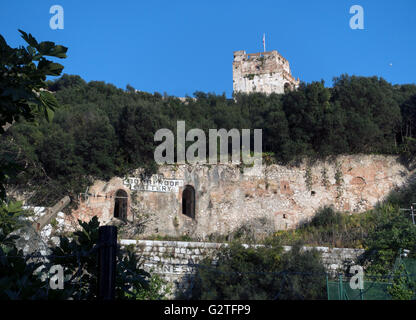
[(153, 184)]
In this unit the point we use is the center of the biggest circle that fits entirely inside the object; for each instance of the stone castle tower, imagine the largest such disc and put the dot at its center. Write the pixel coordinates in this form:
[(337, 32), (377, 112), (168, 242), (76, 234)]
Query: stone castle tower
[(266, 72)]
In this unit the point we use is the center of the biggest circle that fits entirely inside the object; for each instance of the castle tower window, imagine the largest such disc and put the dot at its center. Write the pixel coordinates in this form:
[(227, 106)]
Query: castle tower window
[(287, 87), (120, 205), (188, 201)]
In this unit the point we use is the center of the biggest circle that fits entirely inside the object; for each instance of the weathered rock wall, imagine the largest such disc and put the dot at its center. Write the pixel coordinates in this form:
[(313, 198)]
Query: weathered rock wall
[(226, 197)]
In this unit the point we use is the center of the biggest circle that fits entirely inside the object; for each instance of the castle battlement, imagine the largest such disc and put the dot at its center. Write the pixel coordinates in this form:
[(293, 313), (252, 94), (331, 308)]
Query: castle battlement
[(267, 72)]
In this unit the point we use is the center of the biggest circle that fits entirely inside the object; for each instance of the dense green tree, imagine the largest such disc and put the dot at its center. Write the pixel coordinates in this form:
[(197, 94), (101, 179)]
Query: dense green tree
[(394, 231), (136, 128), (22, 89), (373, 115)]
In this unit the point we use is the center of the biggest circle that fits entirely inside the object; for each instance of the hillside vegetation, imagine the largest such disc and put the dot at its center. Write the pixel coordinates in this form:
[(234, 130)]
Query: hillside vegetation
[(101, 131)]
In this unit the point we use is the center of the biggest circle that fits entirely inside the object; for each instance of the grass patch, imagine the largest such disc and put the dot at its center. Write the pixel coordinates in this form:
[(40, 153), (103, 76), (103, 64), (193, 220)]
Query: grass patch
[(332, 228)]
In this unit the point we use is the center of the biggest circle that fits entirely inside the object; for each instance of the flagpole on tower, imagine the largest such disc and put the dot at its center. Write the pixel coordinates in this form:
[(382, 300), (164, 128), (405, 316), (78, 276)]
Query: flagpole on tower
[(264, 42)]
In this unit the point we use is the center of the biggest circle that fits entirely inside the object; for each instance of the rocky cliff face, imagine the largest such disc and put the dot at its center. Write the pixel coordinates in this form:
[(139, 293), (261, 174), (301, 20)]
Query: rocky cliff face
[(227, 197)]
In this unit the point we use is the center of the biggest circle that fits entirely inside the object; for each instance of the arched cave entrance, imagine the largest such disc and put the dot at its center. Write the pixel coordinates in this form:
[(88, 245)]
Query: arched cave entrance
[(120, 205), (188, 201)]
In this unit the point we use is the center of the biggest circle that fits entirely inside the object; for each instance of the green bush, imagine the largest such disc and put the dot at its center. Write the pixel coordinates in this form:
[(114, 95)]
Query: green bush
[(326, 217), (258, 273), (402, 288), (394, 231)]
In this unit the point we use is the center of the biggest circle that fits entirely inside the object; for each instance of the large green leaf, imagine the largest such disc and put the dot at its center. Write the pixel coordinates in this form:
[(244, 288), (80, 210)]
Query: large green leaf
[(49, 48), (59, 52), (54, 69), (29, 38), (49, 104)]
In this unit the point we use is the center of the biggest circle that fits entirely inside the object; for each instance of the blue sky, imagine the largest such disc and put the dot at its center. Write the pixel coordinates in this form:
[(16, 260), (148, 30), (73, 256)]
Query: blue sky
[(180, 47)]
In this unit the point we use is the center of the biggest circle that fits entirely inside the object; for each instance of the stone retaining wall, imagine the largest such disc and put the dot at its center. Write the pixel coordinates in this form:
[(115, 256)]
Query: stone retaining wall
[(176, 260)]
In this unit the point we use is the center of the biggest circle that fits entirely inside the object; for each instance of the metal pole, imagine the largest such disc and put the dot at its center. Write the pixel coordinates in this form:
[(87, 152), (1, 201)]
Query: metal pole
[(412, 213), (107, 262), (327, 288)]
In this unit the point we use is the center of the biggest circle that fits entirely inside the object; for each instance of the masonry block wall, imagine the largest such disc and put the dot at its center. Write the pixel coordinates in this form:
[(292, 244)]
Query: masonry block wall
[(176, 261)]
